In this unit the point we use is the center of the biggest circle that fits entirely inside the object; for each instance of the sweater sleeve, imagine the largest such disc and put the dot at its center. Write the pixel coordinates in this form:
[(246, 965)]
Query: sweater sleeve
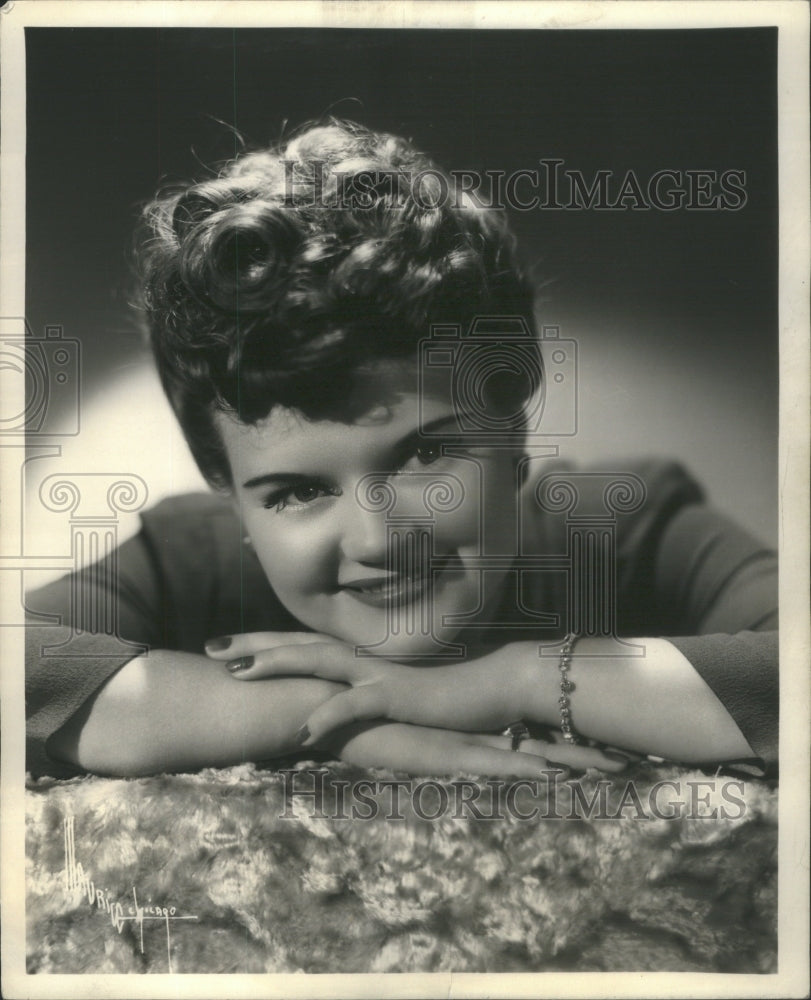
[(186, 577), (65, 665), (719, 585), (742, 671)]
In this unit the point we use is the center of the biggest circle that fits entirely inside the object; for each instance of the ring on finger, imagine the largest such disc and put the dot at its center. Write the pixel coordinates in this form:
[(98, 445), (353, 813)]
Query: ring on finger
[(518, 732)]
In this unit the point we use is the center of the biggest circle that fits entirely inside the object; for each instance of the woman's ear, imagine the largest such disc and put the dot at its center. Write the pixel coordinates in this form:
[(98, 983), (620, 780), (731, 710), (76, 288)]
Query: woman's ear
[(229, 495)]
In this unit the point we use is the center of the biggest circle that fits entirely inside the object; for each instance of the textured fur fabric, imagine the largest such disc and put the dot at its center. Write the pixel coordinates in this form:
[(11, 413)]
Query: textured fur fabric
[(308, 892)]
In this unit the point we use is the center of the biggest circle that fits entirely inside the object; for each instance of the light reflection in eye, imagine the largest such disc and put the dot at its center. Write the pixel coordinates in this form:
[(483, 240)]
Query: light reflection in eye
[(428, 453)]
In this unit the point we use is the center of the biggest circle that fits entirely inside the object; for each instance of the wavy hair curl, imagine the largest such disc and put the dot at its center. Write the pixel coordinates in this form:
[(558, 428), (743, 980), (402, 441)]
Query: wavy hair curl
[(283, 279)]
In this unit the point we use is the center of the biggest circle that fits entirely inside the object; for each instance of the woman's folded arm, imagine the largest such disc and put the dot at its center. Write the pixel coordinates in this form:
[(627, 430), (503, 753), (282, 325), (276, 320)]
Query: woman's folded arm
[(171, 711)]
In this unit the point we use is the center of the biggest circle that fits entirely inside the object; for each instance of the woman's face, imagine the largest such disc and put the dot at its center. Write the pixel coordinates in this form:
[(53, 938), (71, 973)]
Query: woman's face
[(368, 531)]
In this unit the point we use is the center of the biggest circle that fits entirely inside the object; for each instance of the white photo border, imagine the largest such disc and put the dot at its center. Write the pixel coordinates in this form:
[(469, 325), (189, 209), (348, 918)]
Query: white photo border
[(792, 21)]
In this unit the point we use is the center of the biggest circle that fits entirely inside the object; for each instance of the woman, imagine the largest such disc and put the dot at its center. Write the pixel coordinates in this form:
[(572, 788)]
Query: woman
[(289, 304)]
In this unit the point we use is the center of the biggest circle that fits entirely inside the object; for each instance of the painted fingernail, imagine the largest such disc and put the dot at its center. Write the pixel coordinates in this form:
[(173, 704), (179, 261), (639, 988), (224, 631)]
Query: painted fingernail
[(237, 666), (302, 735), (219, 644)]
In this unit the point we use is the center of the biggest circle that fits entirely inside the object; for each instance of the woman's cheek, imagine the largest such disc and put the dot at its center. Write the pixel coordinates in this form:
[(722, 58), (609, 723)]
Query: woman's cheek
[(296, 558), (489, 512), (458, 528)]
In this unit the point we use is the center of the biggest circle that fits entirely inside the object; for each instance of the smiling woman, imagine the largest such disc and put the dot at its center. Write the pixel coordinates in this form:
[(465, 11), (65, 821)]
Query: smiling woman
[(359, 380)]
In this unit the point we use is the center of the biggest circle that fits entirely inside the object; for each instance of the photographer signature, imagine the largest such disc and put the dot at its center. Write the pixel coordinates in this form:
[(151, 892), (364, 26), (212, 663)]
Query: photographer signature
[(79, 883)]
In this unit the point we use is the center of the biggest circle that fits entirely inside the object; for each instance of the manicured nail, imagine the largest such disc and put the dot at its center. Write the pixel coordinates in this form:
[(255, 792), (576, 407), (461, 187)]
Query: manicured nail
[(237, 666), (302, 735), (219, 644)]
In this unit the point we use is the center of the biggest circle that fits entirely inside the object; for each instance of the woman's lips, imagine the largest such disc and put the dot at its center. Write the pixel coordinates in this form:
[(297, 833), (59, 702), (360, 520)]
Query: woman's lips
[(383, 592)]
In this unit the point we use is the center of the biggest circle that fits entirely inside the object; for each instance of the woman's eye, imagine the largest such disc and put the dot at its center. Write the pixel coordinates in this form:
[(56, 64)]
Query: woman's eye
[(427, 454), (304, 494), (295, 496)]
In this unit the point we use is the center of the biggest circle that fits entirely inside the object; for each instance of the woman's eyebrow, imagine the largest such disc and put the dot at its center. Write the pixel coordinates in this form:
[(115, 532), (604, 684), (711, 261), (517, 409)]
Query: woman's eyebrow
[(431, 428), (268, 478)]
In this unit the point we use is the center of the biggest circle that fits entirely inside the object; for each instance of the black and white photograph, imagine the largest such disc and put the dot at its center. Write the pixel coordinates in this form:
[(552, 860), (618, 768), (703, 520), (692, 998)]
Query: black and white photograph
[(404, 465)]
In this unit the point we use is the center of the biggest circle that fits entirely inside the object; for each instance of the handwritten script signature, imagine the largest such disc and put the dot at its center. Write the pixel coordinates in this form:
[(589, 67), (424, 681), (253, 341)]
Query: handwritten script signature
[(79, 883)]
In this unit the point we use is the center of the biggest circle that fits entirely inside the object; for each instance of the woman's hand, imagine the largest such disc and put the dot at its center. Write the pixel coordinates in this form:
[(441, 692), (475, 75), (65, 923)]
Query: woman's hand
[(451, 707), (439, 752), (474, 696)]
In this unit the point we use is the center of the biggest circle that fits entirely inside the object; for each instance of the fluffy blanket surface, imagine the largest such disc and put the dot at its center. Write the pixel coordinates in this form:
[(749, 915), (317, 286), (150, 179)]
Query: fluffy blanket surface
[(242, 870)]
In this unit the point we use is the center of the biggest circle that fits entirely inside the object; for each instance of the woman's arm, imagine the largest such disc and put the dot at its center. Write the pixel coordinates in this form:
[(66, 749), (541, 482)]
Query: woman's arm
[(655, 703), (175, 711), (171, 711)]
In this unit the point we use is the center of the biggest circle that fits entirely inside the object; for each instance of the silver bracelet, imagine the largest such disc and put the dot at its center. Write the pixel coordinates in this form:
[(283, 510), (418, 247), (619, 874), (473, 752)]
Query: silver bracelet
[(566, 687)]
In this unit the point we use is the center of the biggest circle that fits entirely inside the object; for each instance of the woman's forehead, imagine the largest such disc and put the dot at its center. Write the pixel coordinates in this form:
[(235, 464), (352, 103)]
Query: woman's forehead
[(398, 405)]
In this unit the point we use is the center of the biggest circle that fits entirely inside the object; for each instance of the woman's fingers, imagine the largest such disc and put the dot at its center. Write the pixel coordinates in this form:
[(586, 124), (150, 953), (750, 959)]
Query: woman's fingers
[(358, 704), (578, 757), (467, 758), (616, 754), (557, 751), (331, 661), (581, 757), (436, 752), (368, 702), (229, 647), (541, 755), (420, 750)]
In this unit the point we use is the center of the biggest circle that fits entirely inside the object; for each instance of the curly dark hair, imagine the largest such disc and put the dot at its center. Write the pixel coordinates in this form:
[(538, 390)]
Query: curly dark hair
[(283, 279)]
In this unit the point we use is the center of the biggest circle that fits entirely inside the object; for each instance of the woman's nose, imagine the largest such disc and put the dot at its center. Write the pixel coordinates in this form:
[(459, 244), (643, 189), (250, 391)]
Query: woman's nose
[(364, 537)]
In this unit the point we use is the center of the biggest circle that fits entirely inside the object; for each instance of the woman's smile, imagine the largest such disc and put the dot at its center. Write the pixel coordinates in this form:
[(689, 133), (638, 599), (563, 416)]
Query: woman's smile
[(394, 589)]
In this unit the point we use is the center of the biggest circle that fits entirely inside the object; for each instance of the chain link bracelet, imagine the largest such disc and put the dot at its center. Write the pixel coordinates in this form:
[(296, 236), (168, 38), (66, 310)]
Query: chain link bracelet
[(566, 687)]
